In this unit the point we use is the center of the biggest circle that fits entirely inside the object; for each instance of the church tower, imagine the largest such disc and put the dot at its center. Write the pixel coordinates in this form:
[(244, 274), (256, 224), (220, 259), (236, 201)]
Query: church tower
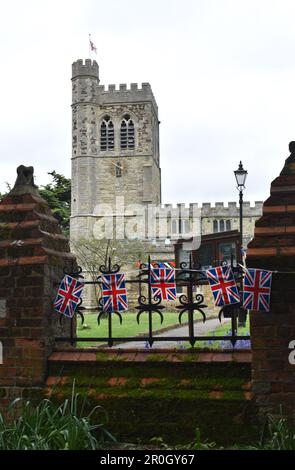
[(115, 146)]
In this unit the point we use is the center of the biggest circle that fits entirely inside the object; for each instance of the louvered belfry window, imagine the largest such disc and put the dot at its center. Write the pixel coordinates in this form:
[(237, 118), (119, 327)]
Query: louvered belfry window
[(127, 133), (107, 138)]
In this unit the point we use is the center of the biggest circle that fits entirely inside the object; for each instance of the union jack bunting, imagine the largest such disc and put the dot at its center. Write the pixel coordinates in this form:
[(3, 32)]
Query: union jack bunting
[(223, 286), (164, 264), (257, 289), (68, 296), (162, 282), (114, 293)]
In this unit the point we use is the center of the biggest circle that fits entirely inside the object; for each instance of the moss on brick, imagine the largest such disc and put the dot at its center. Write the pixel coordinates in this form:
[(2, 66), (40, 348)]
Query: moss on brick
[(5, 231), (173, 415), (231, 373), (184, 396)]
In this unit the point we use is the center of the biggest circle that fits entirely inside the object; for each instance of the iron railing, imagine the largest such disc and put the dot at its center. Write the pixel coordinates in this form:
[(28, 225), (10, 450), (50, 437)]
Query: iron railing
[(190, 303)]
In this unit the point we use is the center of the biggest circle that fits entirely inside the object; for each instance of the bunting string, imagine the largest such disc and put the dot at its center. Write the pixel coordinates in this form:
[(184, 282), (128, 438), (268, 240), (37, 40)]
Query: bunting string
[(254, 294)]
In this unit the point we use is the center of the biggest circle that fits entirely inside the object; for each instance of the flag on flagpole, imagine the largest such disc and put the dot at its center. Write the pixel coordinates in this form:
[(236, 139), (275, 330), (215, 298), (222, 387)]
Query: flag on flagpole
[(92, 46), (223, 286), (257, 289)]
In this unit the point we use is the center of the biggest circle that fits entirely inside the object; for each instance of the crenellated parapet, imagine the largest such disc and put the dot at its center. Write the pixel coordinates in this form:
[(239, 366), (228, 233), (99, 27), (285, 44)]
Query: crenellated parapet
[(209, 210), (232, 209), (86, 88), (85, 78), (125, 94), (87, 68)]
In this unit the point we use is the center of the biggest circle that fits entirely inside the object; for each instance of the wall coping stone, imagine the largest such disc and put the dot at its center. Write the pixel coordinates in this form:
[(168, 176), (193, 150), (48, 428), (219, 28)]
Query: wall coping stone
[(143, 355)]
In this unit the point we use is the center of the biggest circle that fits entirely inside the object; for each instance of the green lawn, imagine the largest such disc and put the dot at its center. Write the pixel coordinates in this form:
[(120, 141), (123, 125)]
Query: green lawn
[(129, 325), (128, 328)]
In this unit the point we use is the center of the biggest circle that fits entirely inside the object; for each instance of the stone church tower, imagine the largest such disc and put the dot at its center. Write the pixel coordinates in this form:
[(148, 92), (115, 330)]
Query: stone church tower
[(115, 146)]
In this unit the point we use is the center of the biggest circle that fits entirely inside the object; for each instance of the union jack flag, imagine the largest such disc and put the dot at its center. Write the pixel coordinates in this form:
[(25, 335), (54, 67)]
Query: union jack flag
[(114, 293), (223, 286), (68, 296), (257, 289), (162, 282)]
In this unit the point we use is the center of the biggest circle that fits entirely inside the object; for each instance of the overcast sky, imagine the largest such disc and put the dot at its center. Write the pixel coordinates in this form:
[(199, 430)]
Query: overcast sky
[(222, 71)]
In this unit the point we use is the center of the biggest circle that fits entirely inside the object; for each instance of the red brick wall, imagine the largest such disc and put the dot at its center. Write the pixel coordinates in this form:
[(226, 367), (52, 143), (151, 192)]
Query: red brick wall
[(33, 253), (273, 248)]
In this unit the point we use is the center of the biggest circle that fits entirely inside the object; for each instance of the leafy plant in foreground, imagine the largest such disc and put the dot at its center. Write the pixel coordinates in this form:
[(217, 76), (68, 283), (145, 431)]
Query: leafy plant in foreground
[(196, 444), (281, 435), (50, 427)]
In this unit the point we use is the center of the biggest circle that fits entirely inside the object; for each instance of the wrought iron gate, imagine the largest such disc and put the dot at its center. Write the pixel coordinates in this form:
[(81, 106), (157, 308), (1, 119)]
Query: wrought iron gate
[(190, 303)]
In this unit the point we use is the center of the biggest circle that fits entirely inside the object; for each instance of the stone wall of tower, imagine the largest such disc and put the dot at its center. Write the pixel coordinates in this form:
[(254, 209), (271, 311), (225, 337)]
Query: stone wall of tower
[(84, 135), (94, 180)]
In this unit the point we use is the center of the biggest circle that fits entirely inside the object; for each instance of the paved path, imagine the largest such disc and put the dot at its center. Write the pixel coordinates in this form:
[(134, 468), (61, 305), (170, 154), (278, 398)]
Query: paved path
[(200, 329)]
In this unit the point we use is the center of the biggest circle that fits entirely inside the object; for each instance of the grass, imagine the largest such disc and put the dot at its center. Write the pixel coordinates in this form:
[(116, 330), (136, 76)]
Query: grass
[(129, 325), (130, 328)]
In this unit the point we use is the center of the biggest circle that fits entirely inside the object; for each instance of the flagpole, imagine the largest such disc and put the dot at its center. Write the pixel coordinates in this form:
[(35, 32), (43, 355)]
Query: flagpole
[(89, 45)]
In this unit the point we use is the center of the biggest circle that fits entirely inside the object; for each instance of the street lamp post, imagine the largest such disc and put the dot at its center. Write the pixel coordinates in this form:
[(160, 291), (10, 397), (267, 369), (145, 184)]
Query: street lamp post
[(241, 175)]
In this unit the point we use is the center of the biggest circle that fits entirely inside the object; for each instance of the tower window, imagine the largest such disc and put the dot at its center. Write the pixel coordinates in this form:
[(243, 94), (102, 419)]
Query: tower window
[(127, 133), (107, 138)]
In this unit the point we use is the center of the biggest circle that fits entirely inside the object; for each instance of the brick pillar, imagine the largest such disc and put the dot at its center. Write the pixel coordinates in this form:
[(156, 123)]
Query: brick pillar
[(273, 248), (33, 253)]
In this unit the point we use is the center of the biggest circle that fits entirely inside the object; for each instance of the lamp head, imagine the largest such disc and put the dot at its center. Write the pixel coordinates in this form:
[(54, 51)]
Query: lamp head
[(240, 175)]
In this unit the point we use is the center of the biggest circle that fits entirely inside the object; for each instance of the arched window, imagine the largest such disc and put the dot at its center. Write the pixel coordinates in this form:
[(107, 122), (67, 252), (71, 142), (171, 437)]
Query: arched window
[(228, 225), (107, 139), (221, 225), (215, 226), (127, 133)]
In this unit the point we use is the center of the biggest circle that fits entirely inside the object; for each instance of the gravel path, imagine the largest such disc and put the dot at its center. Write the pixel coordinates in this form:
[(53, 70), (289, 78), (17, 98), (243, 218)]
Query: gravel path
[(200, 329)]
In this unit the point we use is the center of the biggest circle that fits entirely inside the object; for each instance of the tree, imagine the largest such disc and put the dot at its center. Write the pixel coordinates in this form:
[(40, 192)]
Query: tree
[(93, 253), (3, 195), (58, 196)]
